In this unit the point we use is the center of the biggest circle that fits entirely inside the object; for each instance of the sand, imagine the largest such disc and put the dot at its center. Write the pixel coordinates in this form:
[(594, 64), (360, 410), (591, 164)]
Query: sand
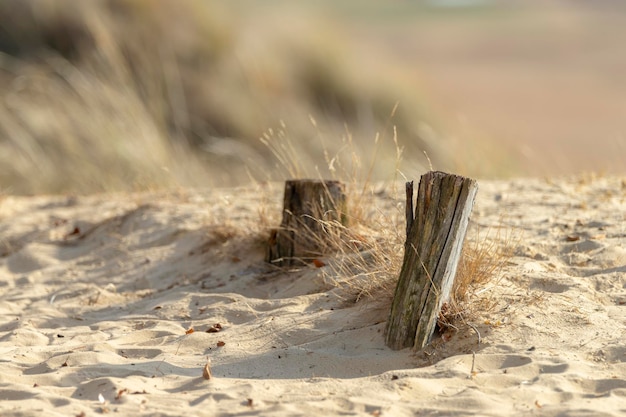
[(98, 296)]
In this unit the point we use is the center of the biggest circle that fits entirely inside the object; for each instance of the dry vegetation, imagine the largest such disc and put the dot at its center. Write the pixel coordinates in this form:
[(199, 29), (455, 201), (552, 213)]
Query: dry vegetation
[(367, 247), (369, 257), (133, 94), (363, 256)]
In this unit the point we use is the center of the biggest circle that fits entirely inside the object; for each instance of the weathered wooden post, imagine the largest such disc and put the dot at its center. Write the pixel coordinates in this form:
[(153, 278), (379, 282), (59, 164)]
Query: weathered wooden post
[(311, 209), (435, 234)]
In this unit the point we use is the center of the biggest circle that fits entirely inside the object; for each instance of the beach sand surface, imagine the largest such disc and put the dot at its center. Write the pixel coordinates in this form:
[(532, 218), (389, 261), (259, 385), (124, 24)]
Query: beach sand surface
[(99, 296)]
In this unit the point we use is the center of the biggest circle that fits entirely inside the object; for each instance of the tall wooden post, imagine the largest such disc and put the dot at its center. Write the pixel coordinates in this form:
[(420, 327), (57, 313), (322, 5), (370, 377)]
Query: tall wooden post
[(435, 235), (311, 209)]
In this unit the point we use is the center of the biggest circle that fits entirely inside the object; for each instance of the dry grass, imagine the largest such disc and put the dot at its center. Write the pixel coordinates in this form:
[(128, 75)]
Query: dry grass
[(485, 254), (368, 262), (363, 256), (133, 94), (363, 252)]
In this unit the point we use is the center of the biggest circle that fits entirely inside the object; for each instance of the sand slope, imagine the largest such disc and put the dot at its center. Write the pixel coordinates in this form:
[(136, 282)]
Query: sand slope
[(97, 295)]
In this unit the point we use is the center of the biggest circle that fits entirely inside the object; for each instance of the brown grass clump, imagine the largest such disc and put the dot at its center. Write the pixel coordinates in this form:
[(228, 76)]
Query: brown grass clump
[(485, 253), (364, 255), (368, 263), (134, 94)]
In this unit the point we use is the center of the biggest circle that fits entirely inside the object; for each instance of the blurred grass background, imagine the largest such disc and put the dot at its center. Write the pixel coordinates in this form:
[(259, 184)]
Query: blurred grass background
[(115, 95)]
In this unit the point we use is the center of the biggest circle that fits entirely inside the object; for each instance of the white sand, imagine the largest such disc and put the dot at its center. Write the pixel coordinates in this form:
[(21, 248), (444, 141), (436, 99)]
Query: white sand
[(97, 293)]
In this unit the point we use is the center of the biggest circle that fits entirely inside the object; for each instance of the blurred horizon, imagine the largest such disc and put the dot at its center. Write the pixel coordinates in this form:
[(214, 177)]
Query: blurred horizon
[(115, 95)]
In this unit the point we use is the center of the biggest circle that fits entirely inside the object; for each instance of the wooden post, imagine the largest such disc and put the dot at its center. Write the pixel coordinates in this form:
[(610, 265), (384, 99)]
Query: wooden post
[(435, 234), (311, 211)]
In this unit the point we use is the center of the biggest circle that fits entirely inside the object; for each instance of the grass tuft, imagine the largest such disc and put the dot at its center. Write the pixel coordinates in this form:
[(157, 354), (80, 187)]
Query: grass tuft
[(485, 254), (123, 95)]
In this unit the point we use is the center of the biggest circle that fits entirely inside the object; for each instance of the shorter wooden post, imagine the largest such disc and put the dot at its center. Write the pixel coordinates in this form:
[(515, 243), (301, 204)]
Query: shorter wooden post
[(311, 209), (435, 235)]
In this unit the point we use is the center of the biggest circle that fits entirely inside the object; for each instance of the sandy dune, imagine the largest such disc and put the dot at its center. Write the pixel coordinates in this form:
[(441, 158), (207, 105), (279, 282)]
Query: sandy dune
[(97, 295)]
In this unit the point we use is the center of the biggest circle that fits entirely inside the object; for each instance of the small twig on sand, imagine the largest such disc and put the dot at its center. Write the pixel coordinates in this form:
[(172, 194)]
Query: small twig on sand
[(472, 373), (477, 332)]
